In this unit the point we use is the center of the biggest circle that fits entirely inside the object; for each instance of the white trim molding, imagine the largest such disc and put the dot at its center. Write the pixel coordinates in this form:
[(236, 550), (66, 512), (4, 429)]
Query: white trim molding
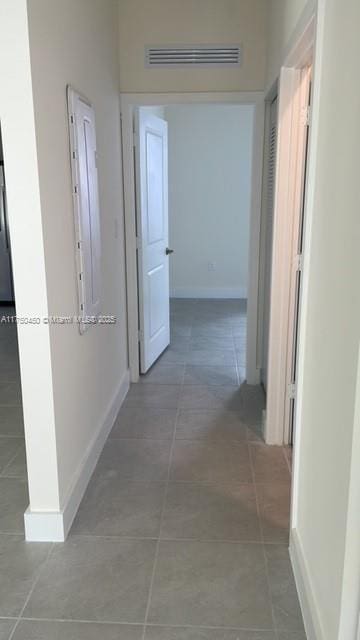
[(309, 608), (129, 102), (54, 526)]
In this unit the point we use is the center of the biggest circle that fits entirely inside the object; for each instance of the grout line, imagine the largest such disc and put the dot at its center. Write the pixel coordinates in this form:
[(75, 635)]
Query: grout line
[(263, 543), (147, 611), (36, 580), (141, 624)]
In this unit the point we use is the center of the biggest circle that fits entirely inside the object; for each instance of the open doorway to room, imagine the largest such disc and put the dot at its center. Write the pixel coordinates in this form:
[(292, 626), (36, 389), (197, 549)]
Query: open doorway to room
[(13, 476), (193, 168)]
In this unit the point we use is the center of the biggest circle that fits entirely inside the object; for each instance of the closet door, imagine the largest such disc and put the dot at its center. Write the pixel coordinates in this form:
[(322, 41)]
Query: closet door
[(269, 218)]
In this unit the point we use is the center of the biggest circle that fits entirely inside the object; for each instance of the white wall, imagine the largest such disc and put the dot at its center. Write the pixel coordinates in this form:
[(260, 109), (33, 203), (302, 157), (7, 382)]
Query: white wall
[(325, 542), (26, 232), (284, 16), (76, 43), (210, 155), (192, 22)]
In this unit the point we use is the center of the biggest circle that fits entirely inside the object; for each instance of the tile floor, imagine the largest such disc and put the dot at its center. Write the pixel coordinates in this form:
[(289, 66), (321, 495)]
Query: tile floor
[(182, 533)]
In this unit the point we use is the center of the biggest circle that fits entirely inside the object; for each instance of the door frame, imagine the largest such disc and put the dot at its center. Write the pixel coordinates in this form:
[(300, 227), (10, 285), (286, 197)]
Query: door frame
[(286, 204), (128, 103)]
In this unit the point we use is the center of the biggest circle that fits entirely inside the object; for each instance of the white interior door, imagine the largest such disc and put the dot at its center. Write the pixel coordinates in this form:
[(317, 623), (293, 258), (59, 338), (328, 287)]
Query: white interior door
[(151, 153)]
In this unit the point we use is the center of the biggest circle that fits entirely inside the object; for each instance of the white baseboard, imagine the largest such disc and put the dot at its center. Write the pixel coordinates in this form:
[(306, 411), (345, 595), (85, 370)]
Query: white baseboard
[(208, 292), (54, 526), (314, 628)]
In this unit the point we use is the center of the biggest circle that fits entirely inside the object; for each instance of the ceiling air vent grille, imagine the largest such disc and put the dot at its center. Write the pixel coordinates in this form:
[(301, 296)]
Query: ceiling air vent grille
[(193, 56)]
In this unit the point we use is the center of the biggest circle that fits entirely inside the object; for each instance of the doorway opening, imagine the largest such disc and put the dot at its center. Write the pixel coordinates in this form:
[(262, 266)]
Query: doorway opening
[(193, 188), (13, 474)]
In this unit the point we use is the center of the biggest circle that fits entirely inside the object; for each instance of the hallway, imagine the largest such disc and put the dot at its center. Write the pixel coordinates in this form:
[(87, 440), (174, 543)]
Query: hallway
[(182, 533)]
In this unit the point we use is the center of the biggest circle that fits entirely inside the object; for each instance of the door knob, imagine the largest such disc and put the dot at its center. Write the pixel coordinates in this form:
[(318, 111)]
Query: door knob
[(168, 251)]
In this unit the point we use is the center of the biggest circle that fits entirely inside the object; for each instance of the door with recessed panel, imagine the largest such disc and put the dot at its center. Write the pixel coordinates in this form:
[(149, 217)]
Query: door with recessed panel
[(151, 158)]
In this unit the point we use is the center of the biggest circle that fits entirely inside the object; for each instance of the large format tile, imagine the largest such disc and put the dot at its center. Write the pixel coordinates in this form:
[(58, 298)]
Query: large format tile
[(6, 627), (11, 422), (269, 464), (94, 579), (17, 466), (210, 584), (14, 501), (211, 397), (155, 396), (292, 635), (210, 375), (202, 633), (113, 507), (211, 357), (212, 342), (211, 512), (142, 460), (285, 602), (20, 563), (212, 426), (274, 508), (161, 373), (44, 630), (144, 423), (198, 461), (216, 328), (9, 447), (10, 394)]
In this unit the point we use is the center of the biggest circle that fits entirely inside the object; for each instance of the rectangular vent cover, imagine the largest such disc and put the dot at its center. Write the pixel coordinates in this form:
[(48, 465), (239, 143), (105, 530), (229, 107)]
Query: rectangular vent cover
[(193, 56)]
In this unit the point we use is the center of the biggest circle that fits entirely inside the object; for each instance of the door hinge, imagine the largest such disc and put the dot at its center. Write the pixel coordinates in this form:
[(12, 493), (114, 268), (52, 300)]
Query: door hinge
[(291, 391), (305, 116)]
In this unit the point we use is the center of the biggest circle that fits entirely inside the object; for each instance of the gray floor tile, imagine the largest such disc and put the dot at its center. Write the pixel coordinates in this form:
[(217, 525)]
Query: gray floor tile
[(10, 394), (13, 504), (6, 627), (20, 563), (94, 579), (9, 447), (201, 633), (212, 342), (269, 464), (180, 328), (213, 357), (154, 396), (145, 423), (291, 635), (211, 375), (283, 592), (213, 426), (164, 374), (114, 507), (17, 467), (274, 506), (9, 368), (196, 461), (43, 630), (11, 422), (211, 328), (211, 512), (142, 460), (214, 584), (211, 397)]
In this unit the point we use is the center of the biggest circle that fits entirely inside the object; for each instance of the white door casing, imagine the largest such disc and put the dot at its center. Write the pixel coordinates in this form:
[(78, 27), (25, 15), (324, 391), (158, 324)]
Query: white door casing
[(151, 159)]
